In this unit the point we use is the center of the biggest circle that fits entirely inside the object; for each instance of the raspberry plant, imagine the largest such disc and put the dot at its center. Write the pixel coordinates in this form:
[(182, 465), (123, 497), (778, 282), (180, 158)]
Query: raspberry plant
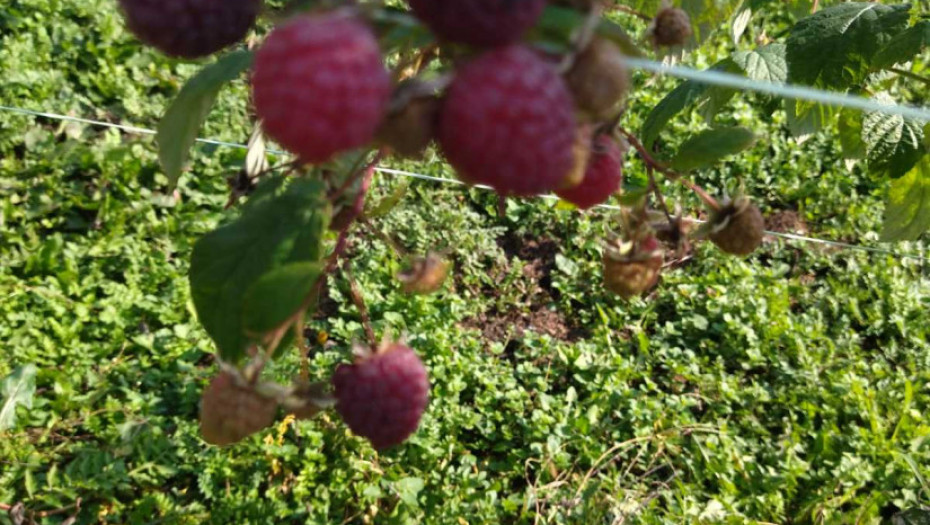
[(527, 97)]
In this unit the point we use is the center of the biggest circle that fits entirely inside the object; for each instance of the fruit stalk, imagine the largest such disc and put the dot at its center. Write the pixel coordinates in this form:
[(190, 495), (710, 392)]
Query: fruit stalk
[(359, 301)]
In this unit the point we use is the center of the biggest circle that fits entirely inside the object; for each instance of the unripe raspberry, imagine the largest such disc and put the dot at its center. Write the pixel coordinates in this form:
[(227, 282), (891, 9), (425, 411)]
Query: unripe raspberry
[(670, 28), (320, 86), (190, 28), (230, 412), (599, 78), (632, 268), (381, 397), (508, 122), (738, 227), (479, 22), (603, 176)]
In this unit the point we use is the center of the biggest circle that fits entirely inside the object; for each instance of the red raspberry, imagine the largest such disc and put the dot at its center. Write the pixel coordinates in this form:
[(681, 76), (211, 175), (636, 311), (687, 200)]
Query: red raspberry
[(508, 122), (230, 412), (190, 28), (479, 22), (320, 86), (602, 177), (382, 396)]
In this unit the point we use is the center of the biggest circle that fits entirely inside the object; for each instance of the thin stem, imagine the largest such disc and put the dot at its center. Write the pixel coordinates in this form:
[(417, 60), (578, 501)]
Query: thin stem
[(367, 171), (387, 239), (658, 193), (304, 351), (359, 301), (908, 74), (815, 6), (631, 11)]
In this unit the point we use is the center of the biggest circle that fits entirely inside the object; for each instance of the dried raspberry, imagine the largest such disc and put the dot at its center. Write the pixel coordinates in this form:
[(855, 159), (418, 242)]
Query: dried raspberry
[(382, 395), (602, 178), (508, 122), (670, 28), (230, 412), (190, 28), (411, 122), (737, 228), (479, 22), (425, 275), (599, 79), (320, 86), (632, 268), (581, 153)]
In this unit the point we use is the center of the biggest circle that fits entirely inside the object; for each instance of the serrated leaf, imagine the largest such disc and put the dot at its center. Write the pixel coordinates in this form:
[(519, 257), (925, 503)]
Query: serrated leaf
[(806, 118), (904, 47), (912, 516), (278, 295), (178, 129), (765, 64), (833, 48), (711, 146), (280, 228), (687, 93), (894, 144), (849, 129), (17, 389), (907, 210), (385, 205)]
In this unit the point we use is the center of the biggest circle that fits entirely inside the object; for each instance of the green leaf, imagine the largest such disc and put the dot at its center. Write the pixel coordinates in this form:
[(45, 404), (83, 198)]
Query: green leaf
[(833, 48), (907, 210), (806, 118), (557, 25), (178, 129), (385, 205), (686, 94), (710, 146), (408, 488), (894, 144), (913, 516), (281, 227), (278, 295), (17, 389), (740, 23), (850, 134), (904, 46), (765, 64)]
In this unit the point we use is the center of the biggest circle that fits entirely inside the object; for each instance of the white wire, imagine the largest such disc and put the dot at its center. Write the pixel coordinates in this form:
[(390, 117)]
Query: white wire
[(788, 91), (443, 180)]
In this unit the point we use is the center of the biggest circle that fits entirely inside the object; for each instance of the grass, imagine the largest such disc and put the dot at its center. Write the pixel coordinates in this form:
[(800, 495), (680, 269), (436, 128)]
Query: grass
[(790, 387)]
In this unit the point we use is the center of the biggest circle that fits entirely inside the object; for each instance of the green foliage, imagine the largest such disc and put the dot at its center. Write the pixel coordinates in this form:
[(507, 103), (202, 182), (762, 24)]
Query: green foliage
[(907, 213), (904, 46), (894, 144), (17, 389), (834, 47), (233, 267), (711, 146), (790, 387), (181, 124)]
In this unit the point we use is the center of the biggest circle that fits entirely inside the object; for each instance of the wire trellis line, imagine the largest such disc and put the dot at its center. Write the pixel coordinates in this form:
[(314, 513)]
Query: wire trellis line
[(446, 180), (795, 92)]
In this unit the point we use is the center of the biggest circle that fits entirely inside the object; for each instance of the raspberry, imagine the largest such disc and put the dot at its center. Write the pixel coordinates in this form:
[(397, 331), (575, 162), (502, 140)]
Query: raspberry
[(599, 79), (602, 178), (320, 86), (670, 28), (190, 28), (230, 412), (737, 228), (479, 22), (410, 125), (508, 122), (581, 152), (383, 394), (632, 268)]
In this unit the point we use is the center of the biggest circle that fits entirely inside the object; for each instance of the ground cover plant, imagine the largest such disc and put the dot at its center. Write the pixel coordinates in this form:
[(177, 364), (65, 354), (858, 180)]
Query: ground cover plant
[(570, 380)]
